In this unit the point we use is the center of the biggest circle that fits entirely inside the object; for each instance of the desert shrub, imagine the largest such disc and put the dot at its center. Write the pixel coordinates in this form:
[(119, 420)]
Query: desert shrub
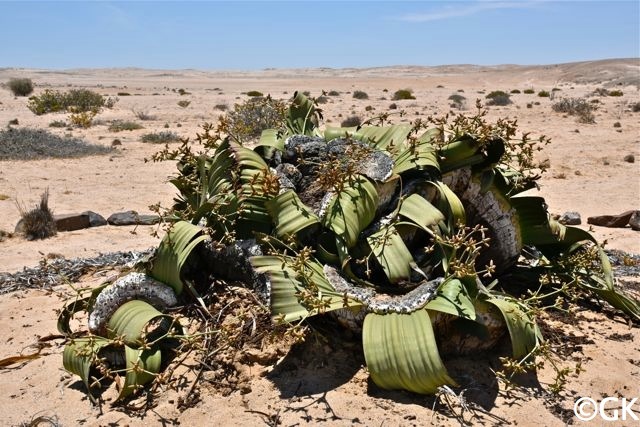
[(461, 90), (617, 125), (14, 122), (576, 107), (120, 125), (27, 144), (48, 101), (604, 92), (543, 94), (184, 103), (351, 121), (358, 94), (635, 107), (322, 100), (498, 97), (369, 108), (83, 100), (556, 89), (457, 101), (529, 91), (143, 115), (37, 223), (515, 91), (333, 93), (183, 92), (247, 120), (529, 105), (82, 119), (75, 101), (439, 87), (221, 107), (403, 94), (20, 86), (393, 106), (254, 93), (58, 124), (601, 92), (163, 137), (124, 94)]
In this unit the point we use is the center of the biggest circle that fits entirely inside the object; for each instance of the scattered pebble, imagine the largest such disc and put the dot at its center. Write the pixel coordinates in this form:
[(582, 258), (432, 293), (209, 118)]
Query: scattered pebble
[(570, 218)]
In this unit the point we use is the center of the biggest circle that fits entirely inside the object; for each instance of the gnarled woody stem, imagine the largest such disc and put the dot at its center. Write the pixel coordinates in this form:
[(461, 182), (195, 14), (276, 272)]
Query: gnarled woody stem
[(127, 288)]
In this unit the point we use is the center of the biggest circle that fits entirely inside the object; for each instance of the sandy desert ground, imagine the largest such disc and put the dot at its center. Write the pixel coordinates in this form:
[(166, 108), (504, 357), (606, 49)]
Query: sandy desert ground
[(316, 382)]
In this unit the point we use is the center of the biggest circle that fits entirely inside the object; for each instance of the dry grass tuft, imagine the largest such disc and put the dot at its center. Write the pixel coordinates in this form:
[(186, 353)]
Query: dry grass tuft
[(37, 223)]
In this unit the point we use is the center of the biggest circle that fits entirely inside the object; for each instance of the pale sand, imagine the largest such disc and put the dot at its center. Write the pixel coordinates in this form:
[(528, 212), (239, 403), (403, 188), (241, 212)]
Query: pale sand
[(578, 180)]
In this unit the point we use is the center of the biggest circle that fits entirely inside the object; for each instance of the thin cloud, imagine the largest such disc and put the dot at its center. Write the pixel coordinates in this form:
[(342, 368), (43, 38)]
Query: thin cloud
[(116, 16), (464, 10)]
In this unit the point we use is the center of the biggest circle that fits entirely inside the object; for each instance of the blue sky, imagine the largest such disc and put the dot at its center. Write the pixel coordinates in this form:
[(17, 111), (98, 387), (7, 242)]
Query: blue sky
[(255, 35)]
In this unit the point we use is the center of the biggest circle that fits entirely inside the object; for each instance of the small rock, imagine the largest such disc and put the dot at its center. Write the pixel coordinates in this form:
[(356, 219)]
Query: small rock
[(570, 218), (95, 220), (304, 146), (612, 221), (71, 222), (634, 221), (132, 218), (116, 142), (630, 158)]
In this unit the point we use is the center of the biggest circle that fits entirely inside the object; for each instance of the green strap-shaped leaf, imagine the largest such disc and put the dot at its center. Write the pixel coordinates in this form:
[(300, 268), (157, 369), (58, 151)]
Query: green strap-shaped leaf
[(401, 352), (352, 210), (331, 132), (142, 366), (391, 253), (381, 137), (460, 153), (270, 141), (247, 158), (301, 115), (524, 333), (286, 285), (452, 298), (289, 214), (173, 252), (606, 289), (422, 154), (534, 221), (80, 353), (130, 322), (449, 204), (422, 213)]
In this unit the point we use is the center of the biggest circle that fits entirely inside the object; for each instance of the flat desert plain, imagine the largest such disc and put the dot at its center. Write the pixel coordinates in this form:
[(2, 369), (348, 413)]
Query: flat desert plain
[(318, 382)]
